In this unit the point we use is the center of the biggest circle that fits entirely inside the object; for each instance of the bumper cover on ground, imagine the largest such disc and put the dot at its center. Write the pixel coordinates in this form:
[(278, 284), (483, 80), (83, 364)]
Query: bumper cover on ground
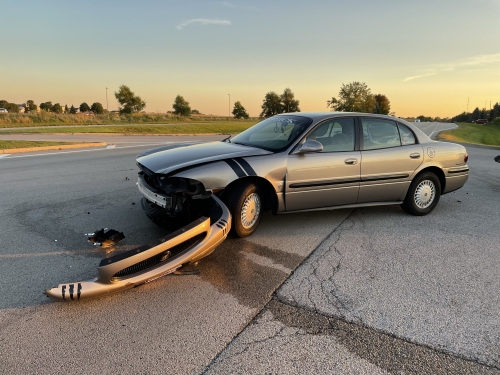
[(143, 264)]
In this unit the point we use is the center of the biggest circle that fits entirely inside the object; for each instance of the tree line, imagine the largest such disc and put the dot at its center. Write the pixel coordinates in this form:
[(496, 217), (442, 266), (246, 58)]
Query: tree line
[(479, 114), (352, 97), (30, 106)]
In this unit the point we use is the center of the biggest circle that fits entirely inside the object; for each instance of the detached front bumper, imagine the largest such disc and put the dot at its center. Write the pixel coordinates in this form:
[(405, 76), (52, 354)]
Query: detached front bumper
[(143, 264)]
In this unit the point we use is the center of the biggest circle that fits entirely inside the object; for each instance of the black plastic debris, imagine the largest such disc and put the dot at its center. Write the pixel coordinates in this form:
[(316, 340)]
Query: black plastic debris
[(105, 237), (497, 159)]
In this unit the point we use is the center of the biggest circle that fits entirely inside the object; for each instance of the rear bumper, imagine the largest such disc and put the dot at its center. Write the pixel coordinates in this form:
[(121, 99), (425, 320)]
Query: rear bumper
[(455, 181), (127, 270)]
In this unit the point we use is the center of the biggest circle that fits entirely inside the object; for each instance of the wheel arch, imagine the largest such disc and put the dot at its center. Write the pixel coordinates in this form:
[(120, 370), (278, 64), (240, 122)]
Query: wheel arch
[(438, 172), (270, 198)]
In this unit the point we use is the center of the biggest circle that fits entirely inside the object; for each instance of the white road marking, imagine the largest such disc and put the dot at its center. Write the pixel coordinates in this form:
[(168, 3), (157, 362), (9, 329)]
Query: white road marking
[(4, 155), (96, 149), (441, 130), (110, 146)]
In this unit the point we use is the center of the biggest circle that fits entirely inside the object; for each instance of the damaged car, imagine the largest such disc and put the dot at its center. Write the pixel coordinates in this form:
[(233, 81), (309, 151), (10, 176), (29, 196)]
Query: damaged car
[(302, 162), (287, 163)]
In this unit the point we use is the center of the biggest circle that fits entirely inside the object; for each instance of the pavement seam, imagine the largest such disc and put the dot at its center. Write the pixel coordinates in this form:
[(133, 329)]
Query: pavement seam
[(273, 295), (382, 332)]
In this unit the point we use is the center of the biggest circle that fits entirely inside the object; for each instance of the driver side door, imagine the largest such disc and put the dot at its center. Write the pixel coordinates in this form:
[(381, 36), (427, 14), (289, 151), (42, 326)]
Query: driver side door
[(327, 178)]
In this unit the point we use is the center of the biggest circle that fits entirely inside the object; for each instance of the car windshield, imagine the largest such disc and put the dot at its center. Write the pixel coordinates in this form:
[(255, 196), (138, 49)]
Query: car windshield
[(276, 133)]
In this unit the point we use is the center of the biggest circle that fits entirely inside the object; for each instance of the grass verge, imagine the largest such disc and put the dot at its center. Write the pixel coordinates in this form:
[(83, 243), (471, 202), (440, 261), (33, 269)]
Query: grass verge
[(208, 128), (4, 145), (17, 120), (485, 134)]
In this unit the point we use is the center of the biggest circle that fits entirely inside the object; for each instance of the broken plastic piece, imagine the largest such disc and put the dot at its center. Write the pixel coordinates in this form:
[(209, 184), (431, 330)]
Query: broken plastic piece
[(105, 237)]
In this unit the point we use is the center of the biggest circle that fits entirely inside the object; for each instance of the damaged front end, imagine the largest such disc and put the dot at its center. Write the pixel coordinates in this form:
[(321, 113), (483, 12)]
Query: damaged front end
[(172, 201), (185, 245)]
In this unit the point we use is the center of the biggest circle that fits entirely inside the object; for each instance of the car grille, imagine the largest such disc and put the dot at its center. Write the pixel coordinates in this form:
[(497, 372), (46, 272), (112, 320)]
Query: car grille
[(158, 259)]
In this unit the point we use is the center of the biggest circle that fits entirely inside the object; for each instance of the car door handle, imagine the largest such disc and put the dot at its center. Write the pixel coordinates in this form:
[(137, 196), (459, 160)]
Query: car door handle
[(415, 155), (351, 161)]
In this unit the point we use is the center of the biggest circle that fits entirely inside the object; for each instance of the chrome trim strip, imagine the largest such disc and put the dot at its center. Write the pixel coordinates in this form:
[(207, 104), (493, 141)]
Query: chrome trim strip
[(323, 183), (458, 170), (381, 178)]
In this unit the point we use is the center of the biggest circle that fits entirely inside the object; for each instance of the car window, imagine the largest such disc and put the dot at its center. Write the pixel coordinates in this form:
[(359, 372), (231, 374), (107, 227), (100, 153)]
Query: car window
[(379, 133), (276, 133), (407, 136), (335, 135)]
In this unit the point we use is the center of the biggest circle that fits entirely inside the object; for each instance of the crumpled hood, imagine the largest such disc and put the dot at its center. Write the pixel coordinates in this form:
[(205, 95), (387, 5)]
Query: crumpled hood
[(170, 158)]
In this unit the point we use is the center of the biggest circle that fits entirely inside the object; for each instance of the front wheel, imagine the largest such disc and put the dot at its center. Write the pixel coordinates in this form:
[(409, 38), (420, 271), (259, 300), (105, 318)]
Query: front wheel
[(423, 194), (245, 203)]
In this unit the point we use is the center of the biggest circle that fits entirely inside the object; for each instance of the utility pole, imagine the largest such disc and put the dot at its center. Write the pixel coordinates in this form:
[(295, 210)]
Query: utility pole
[(229, 106), (107, 109), (467, 105)]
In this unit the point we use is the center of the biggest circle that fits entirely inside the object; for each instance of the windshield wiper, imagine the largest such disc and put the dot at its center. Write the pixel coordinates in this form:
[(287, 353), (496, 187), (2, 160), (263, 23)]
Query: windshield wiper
[(227, 139), (239, 143)]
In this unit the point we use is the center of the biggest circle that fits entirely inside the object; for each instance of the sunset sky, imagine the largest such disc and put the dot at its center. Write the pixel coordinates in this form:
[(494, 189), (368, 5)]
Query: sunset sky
[(428, 57)]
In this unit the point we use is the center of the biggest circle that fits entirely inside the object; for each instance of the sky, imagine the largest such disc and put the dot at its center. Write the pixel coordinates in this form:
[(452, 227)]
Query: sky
[(429, 57)]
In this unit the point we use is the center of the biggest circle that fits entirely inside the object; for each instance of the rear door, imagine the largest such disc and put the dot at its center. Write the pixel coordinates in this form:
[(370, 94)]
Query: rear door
[(389, 156), (327, 178)]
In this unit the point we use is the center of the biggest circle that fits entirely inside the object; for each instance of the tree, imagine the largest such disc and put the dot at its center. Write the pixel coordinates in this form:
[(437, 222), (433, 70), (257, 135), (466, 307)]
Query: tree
[(382, 104), (47, 106), (30, 106), (130, 103), (181, 106), (288, 102), (56, 108), (195, 112), (97, 108), (84, 107), (271, 105), (239, 111), (72, 110), (353, 97), (66, 110), (495, 112), (4, 104), (475, 115), (12, 108)]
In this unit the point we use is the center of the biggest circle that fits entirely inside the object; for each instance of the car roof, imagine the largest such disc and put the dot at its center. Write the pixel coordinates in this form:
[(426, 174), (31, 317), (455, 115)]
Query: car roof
[(321, 115)]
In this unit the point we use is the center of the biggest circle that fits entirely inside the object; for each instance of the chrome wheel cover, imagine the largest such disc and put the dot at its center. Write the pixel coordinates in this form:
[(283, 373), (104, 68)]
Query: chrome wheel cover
[(425, 194), (250, 211)]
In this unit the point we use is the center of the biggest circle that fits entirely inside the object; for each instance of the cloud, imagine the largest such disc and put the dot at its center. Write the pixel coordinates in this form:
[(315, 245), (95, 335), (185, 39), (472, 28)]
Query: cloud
[(203, 21), (474, 61), (227, 4), (419, 76)]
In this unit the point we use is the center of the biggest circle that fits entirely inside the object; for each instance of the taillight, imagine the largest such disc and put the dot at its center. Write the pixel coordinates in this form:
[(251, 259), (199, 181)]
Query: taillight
[(466, 157)]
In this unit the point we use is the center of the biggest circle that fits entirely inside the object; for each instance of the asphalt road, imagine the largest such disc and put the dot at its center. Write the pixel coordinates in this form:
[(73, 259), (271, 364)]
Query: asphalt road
[(363, 291)]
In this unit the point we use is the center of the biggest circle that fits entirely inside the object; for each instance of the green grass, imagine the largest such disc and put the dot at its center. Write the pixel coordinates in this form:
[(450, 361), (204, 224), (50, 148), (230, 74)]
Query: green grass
[(487, 134), (206, 128), (22, 144), (15, 120)]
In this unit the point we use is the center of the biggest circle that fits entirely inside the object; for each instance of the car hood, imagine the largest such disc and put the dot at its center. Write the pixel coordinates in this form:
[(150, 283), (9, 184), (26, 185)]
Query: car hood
[(173, 157)]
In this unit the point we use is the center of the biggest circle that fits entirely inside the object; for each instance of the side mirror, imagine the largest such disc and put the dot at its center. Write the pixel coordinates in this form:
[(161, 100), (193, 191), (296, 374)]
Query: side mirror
[(310, 146)]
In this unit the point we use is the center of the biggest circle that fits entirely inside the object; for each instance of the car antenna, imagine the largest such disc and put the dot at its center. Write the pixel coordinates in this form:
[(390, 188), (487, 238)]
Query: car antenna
[(226, 139)]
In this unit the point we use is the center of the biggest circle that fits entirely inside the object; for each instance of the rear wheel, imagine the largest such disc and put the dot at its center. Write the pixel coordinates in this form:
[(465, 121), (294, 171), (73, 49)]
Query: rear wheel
[(245, 203), (423, 194)]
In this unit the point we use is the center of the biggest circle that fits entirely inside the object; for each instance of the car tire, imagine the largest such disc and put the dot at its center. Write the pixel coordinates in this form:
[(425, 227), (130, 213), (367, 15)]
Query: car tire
[(423, 194), (244, 201)]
